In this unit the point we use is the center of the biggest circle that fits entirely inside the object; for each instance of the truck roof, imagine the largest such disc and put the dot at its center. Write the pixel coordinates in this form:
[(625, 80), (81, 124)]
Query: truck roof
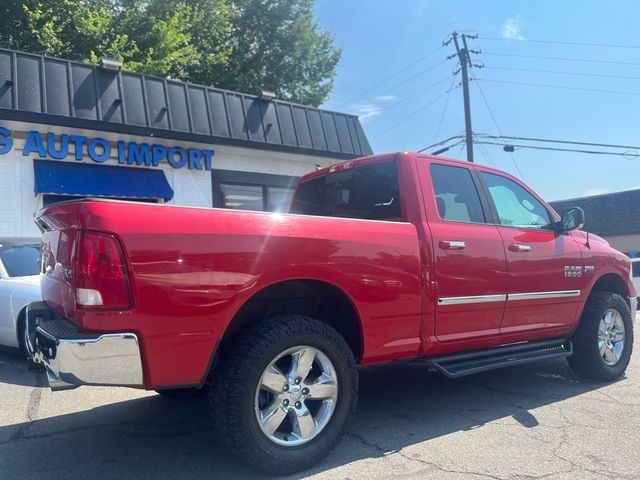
[(404, 155)]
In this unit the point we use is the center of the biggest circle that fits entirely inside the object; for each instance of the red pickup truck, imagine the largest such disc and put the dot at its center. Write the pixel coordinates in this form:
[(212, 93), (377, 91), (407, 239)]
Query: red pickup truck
[(388, 257)]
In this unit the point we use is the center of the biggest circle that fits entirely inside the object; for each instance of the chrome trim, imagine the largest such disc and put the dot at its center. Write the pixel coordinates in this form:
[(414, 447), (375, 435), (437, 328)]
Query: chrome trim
[(452, 244), (111, 359), (507, 297), (471, 299), (633, 304), (543, 295)]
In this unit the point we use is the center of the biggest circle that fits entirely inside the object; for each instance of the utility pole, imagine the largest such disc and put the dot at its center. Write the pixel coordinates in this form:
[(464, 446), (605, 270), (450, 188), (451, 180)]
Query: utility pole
[(465, 63)]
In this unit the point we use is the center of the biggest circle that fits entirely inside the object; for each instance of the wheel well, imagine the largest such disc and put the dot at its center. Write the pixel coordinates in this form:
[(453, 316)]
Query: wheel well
[(611, 282), (312, 298)]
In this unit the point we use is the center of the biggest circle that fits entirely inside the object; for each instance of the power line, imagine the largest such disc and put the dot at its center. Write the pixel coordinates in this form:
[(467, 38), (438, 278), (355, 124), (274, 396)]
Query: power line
[(389, 77), (566, 59), (444, 109), (422, 90), (411, 115), (558, 149), (569, 142), (616, 92), (584, 74), (485, 154), (442, 142), (484, 98), (560, 42)]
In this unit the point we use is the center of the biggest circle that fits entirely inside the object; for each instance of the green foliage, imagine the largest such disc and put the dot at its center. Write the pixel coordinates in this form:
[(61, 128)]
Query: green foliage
[(244, 45)]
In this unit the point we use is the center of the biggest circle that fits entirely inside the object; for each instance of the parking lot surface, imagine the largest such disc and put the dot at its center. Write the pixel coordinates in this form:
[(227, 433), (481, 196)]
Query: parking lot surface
[(537, 421)]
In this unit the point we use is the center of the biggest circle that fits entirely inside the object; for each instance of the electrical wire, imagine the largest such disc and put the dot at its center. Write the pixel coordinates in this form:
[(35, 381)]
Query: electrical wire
[(422, 90), (442, 142), (444, 109), (389, 77), (549, 140), (566, 59), (564, 87), (485, 154), (627, 155), (583, 74), (411, 115), (559, 42), (493, 117)]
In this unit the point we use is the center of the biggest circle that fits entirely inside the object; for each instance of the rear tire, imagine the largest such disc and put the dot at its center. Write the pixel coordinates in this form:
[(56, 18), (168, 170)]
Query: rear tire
[(277, 411), (603, 341)]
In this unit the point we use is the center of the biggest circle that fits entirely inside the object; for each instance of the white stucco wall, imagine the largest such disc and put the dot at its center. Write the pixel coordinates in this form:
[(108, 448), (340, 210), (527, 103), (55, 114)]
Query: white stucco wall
[(18, 203)]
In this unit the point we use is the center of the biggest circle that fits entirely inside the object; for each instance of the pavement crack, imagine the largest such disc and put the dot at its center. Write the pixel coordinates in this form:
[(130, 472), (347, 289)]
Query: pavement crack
[(33, 406)]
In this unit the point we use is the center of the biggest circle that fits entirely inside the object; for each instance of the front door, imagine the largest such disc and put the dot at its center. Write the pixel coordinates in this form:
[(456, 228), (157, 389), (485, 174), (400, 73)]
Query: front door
[(469, 260), (544, 267)]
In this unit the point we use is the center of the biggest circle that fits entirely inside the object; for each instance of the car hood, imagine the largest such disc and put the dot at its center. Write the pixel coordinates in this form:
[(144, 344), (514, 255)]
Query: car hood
[(28, 280)]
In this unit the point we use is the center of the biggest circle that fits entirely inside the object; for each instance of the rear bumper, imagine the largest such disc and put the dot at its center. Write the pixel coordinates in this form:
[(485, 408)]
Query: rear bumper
[(73, 358)]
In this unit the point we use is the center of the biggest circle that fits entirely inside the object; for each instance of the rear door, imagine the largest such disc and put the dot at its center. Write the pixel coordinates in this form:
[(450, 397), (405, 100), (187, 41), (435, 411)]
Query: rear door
[(469, 260), (544, 268)]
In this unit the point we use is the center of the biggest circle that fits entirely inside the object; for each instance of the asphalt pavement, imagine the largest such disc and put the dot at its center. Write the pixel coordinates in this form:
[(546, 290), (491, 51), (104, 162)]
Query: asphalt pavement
[(531, 422)]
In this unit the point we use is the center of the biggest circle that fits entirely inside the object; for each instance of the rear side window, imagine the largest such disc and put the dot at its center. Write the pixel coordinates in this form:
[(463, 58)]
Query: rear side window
[(370, 192), (456, 195), (308, 198)]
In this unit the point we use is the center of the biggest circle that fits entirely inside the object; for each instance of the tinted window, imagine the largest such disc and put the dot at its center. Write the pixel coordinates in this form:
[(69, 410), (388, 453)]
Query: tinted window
[(369, 192), (308, 199), (515, 205), (21, 260), (456, 194)]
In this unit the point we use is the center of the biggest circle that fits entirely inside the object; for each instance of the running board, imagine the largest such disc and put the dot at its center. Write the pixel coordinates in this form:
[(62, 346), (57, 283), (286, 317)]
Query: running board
[(461, 364)]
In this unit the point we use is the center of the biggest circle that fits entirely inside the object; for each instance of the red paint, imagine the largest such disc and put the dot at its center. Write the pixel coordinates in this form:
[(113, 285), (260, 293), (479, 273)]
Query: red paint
[(192, 269)]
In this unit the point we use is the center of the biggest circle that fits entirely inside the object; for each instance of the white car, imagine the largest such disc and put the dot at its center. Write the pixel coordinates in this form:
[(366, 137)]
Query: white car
[(19, 286), (635, 273)]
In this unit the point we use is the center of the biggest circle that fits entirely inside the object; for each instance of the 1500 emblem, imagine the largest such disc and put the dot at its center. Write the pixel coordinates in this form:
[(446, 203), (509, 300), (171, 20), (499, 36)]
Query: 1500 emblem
[(572, 271)]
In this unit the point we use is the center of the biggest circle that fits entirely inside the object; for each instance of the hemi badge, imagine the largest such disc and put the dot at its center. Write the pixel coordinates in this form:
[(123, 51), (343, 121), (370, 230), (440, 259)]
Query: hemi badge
[(589, 268)]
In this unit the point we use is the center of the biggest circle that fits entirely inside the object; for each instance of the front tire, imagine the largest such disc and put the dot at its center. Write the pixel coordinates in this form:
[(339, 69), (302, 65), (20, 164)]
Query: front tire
[(603, 341), (283, 393)]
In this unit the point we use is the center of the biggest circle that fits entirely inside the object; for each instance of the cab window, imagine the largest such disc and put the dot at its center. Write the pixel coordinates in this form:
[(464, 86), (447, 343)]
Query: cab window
[(369, 192), (456, 195), (515, 205)]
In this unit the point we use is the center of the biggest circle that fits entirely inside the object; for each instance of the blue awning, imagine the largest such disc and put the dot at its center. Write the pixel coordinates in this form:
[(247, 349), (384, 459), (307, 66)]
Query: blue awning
[(64, 178)]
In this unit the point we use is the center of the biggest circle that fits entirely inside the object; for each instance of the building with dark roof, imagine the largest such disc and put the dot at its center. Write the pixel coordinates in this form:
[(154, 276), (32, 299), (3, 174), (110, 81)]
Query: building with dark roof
[(69, 129), (613, 216)]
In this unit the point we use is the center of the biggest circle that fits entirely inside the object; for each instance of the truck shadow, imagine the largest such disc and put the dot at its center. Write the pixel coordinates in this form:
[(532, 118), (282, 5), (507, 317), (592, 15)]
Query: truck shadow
[(155, 437)]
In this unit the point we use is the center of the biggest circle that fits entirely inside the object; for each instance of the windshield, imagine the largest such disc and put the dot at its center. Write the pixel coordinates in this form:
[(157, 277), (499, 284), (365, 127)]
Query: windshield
[(20, 260)]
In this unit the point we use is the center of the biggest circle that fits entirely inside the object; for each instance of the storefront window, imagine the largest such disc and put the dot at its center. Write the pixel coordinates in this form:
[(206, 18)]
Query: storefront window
[(279, 199), (243, 197)]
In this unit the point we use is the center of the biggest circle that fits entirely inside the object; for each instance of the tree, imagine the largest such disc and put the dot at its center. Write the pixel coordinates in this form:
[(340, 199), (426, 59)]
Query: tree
[(244, 45)]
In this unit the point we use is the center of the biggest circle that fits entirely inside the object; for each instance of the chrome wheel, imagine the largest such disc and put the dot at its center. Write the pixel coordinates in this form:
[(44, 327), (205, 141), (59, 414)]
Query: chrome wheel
[(296, 396), (611, 337)]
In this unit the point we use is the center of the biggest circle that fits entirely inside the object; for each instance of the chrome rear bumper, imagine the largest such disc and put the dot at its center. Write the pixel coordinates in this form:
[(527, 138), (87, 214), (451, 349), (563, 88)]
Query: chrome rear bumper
[(73, 358)]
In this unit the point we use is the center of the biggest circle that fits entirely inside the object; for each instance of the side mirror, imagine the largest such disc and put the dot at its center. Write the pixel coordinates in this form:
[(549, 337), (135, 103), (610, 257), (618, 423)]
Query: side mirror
[(571, 219)]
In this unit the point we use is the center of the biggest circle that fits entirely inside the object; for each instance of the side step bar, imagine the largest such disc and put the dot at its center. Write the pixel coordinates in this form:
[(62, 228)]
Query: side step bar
[(467, 363)]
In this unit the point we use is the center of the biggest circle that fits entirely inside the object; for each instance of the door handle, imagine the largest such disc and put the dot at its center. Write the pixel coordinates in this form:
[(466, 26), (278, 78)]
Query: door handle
[(452, 244), (519, 247)]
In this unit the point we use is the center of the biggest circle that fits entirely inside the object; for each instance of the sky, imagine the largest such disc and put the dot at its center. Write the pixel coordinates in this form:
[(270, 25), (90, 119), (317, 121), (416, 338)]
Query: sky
[(421, 102)]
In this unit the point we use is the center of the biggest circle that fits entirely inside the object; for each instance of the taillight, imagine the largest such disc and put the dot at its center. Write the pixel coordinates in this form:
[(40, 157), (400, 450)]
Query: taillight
[(101, 279)]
